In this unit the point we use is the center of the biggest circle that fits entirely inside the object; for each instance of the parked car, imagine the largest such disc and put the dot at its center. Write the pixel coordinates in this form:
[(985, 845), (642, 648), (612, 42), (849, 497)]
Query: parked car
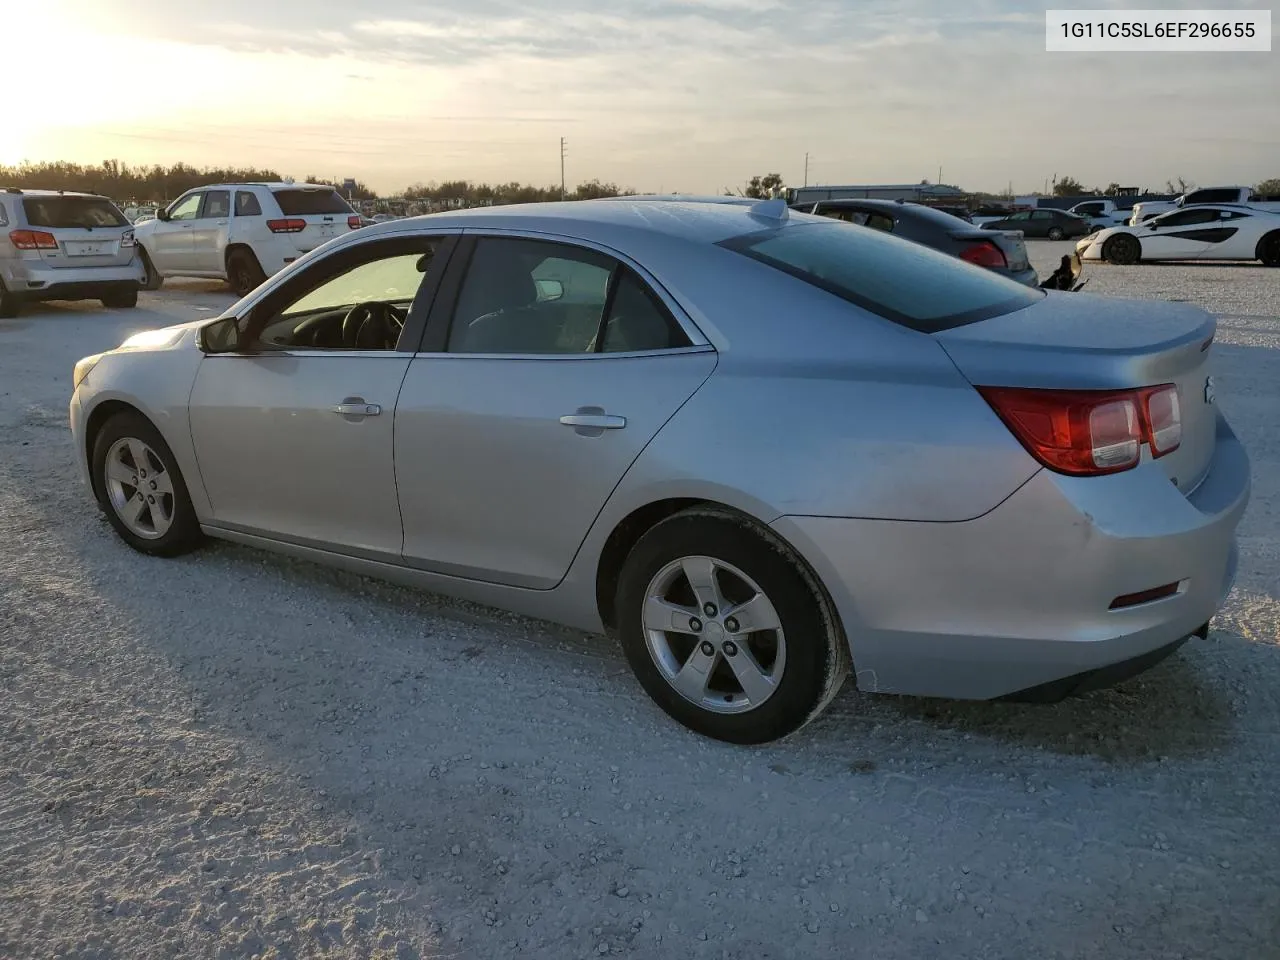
[(757, 446), (1102, 213), (1232, 196), (1001, 251), (1043, 223), (1199, 232), (241, 232), (56, 245)]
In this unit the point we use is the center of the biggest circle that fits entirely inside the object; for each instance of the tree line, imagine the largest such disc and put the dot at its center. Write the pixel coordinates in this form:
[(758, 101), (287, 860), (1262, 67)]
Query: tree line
[(159, 183), (1071, 187)]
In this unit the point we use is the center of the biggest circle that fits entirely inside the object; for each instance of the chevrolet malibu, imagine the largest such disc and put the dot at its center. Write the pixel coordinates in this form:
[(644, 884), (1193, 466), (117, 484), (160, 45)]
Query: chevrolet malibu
[(762, 449)]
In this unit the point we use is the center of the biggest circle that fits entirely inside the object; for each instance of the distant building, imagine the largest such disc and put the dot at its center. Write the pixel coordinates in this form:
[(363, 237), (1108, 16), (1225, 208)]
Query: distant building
[(877, 191)]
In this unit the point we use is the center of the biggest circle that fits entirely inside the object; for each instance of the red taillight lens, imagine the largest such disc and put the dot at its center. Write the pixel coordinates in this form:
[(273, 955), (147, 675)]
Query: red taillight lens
[(1090, 432), (984, 254), (286, 226), (354, 222), (33, 240), (1164, 420)]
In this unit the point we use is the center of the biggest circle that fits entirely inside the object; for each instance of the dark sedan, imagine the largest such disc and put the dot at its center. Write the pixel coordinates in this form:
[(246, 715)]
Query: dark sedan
[(997, 250), (1045, 224)]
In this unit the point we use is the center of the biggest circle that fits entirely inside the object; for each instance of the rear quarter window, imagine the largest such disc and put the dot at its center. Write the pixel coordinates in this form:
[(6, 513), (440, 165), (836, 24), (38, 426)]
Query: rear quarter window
[(904, 282), (55, 212), (300, 203)]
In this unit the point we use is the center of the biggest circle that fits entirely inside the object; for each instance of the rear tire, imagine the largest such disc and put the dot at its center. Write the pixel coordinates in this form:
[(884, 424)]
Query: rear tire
[(1269, 250), (134, 467), (153, 280), (10, 304), (791, 670), (1122, 249), (244, 273), (1055, 233), (121, 299)]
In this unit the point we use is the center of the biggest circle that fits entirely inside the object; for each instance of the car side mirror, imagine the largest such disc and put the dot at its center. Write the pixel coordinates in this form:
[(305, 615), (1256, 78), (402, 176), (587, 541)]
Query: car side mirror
[(162, 214), (221, 336), (549, 290)]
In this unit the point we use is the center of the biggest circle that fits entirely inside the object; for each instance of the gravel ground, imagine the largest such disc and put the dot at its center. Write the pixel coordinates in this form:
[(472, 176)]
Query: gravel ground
[(235, 755)]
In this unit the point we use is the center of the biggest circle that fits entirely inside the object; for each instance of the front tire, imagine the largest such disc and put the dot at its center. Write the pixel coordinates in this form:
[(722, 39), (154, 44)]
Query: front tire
[(1269, 250), (141, 489), (153, 280), (1122, 249), (244, 273), (726, 630)]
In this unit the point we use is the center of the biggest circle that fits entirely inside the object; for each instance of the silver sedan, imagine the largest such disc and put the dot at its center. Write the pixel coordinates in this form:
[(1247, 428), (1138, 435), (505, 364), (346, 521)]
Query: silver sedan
[(759, 447)]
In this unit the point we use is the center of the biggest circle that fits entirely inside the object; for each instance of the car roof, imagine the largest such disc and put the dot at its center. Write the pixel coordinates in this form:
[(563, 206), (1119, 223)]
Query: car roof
[(54, 193), (685, 219), (687, 198), (269, 184)]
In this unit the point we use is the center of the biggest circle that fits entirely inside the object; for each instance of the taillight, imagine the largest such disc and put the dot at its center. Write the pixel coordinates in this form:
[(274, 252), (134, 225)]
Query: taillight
[(984, 254), (33, 240), (354, 222), (1090, 432), (286, 226), (127, 239), (1164, 420)]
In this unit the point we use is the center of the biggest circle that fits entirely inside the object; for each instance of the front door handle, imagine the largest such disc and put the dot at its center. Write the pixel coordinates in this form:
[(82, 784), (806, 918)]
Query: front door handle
[(356, 407), (594, 421)]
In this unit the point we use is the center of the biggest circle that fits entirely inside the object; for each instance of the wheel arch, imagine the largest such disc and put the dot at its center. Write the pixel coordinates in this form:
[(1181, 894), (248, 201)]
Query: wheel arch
[(1269, 236), (233, 248), (94, 423), (628, 531)]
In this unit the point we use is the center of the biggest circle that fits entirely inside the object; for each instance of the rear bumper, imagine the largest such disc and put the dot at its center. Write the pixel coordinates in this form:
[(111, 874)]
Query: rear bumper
[(1027, 276), (1021, 597), (31, 281)]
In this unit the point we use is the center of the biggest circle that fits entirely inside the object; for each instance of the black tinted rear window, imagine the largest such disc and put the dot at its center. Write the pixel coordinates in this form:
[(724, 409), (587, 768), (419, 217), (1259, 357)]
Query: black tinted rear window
[(55, 212), (904, 282), (299, 203)]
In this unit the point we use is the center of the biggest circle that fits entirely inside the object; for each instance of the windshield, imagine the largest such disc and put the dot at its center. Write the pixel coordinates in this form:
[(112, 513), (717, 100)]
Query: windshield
[(81, 212), (299, 203), (907, 283)]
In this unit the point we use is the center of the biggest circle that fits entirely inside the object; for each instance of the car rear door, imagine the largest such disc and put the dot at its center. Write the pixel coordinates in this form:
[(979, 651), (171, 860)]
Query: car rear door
[(541, 380), (209, 232), (87, 231)]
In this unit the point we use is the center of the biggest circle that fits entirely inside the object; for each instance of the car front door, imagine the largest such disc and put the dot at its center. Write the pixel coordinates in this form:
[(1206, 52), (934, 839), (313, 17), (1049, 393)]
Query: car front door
[(540, 382), (171, 239), (1180, 235), (209, 232), (293, 436)]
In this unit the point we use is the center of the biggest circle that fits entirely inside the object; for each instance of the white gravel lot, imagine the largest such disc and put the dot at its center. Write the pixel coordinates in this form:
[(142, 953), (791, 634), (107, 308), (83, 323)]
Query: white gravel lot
[(234, 755)]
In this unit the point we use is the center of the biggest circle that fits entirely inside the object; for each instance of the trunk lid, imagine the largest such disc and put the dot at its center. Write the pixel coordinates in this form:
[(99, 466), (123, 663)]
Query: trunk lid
[(1077, 341)]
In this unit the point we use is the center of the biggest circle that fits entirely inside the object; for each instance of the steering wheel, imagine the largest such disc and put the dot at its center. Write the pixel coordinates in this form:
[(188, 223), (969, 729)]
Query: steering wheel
[(372, 325)]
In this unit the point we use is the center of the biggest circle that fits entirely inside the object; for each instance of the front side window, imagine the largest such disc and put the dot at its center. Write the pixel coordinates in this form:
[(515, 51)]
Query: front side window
[(904, 282), (362, 306), (535, 297), (1042, 215), (1020, 215), (187, 208)]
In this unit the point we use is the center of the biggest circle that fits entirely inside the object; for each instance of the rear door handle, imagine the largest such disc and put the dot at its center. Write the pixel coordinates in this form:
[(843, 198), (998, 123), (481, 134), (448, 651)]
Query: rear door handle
[(594, 421), (355, 407)]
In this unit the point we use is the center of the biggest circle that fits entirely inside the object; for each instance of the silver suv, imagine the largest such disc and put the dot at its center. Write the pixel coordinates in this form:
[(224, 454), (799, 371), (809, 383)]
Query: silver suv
[(57, 245)]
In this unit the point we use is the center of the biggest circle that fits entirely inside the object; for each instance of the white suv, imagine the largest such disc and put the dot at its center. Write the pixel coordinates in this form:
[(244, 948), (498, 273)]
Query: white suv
[(241, 232)]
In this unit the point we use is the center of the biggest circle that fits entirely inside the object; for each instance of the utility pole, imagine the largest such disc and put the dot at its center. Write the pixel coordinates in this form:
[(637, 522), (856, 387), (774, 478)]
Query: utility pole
[(563, 194), (806, 169)]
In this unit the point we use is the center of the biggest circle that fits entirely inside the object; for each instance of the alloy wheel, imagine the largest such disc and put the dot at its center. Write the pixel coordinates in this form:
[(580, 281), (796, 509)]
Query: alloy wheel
[(714, 635), (139, 488)]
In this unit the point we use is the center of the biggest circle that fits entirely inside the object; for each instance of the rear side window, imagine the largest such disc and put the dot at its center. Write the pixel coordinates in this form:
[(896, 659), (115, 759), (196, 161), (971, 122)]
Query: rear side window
[(55, 212), (907, 283), (1219, 195), (4, 217), (247, 204), (300, 203)]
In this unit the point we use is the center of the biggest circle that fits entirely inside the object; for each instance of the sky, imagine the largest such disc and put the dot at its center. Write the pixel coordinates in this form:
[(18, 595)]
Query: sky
[(657, 95)]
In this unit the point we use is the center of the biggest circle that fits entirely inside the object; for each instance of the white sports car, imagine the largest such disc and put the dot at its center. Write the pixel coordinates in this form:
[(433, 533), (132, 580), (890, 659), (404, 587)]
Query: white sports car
[(1202, 232)]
